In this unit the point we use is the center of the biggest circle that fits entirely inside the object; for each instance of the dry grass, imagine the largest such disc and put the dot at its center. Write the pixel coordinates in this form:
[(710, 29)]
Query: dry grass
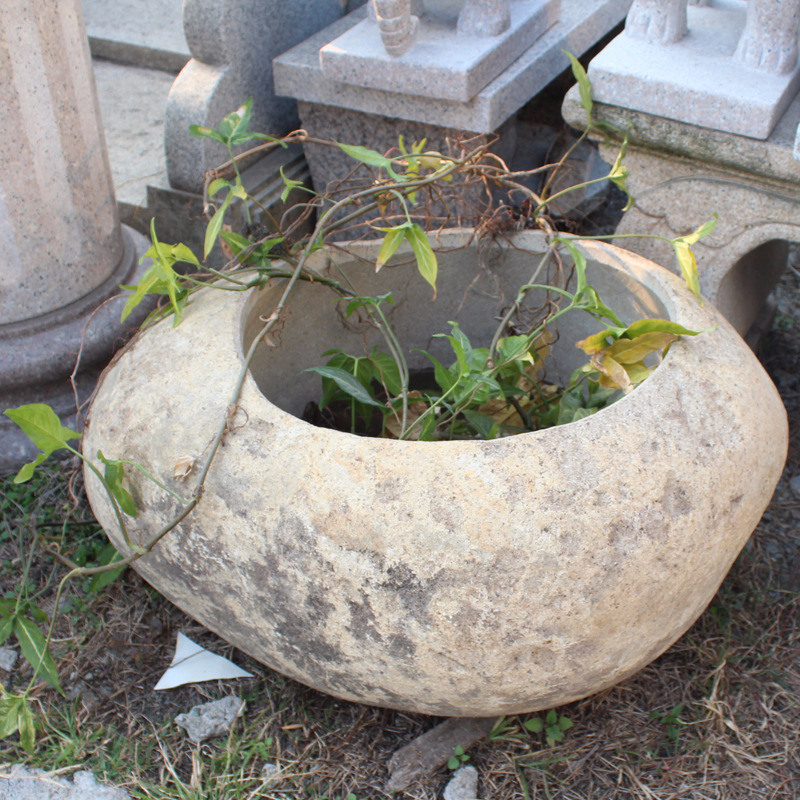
[(716, 717)]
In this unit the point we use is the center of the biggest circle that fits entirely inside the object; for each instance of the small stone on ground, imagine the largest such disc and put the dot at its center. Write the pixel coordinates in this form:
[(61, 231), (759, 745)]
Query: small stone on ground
[(210, 719), (8, 657), (463, 785), (21, 783)]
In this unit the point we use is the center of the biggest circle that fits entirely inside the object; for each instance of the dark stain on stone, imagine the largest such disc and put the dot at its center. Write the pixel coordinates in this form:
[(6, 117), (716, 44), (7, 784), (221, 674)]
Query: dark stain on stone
[(401, 647), (413, 593), (362, 620)]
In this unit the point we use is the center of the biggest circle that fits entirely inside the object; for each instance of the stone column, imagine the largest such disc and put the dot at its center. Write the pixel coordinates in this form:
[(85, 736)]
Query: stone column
[(63, 252)]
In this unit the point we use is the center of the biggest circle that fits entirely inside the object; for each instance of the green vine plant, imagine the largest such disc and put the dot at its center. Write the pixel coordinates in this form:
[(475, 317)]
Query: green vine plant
[(489, 389)]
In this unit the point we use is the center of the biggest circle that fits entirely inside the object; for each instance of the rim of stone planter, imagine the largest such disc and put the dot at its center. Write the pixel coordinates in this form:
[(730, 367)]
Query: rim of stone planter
[(462, 578)]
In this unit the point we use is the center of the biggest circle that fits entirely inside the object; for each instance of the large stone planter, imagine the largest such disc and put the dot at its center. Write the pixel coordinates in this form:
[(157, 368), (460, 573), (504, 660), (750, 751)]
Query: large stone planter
[(456, 578)]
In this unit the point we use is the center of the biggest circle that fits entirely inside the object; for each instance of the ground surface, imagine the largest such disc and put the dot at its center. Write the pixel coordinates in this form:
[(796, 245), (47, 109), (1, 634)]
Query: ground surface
[(717, 716)]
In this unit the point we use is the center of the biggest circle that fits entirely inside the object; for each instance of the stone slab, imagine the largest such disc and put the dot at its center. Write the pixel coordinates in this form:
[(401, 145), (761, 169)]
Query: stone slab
[(144, 32), (695, 80), (583, 23), (442, 62)]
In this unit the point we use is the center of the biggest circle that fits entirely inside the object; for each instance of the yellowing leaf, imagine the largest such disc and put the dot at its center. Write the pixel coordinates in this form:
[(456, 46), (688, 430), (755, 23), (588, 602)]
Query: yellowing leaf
[(662, 325), (594, 343), (630, 351), (393, 239), (703, 230), (637, 372), (426, 259), (612, 374), (688, 266)]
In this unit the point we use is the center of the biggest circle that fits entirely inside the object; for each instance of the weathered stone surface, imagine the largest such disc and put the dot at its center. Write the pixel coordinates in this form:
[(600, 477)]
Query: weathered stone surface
[(463, 578)]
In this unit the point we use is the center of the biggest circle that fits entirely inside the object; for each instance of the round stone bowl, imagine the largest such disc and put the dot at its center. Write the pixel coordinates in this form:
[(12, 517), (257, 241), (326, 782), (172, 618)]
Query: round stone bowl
[(464, 578)]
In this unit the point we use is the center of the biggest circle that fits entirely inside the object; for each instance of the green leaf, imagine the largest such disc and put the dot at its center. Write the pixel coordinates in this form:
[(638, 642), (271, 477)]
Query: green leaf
[(388, 371), (216, 185), (36, 612), (515, 348), (215, 225), (443, 376), (114, 474), (483, 424), (365, 302), (393, 239), (564, 723), (9, 714), (554, 734), (453, 762), (584, 87), (371, 157), (34, 648), (657, 326), (108, 556), (43, 427), (347, 383), (26, 726), (535, 725), (203, 132), (289, 184), (552, 717), (579, 260), (619, 173), (426, 259), (6, 629), (703, 230), (161, 278)]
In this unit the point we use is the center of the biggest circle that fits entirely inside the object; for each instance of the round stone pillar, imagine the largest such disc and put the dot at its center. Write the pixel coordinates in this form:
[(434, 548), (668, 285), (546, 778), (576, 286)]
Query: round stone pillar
[(63, 252)]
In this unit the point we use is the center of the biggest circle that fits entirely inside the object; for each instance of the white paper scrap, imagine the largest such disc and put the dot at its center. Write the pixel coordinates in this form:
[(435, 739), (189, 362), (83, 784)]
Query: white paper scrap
[(194, 664)]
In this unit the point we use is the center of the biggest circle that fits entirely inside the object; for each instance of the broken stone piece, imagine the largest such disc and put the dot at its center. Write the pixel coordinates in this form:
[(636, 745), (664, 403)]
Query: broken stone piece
[(463, 785), (21, 783), (8, 657), (211, 719)]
